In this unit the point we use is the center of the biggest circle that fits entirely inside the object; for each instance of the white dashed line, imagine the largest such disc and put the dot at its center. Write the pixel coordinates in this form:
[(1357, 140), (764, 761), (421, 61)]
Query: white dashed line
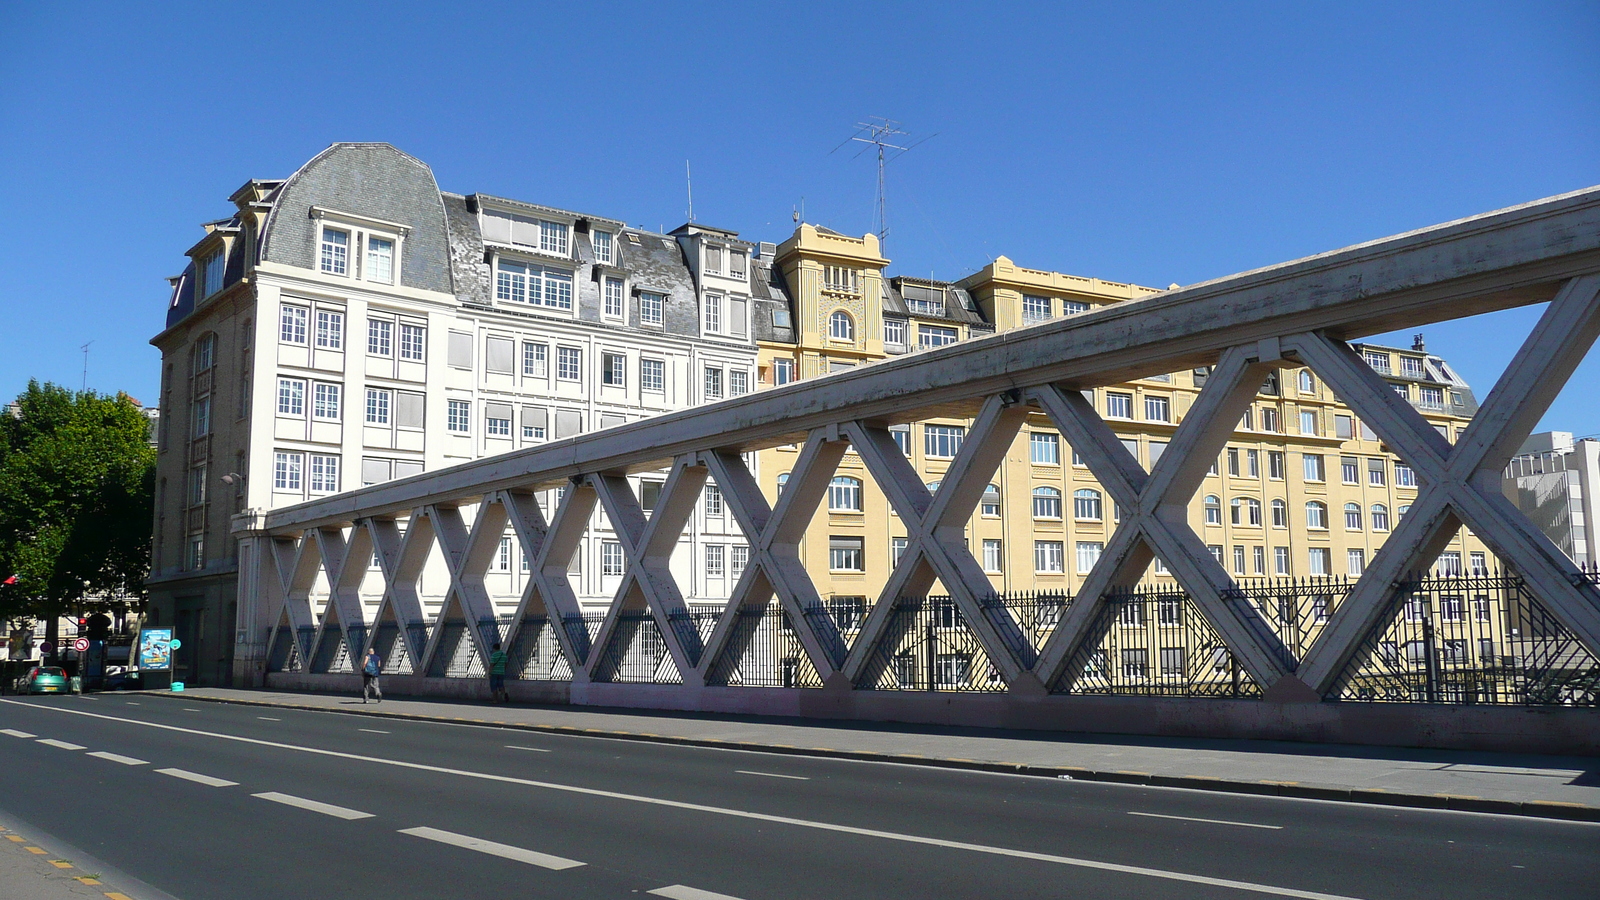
[(372, 731), (268, 719), (190, 709), (197, 778), (133, 703), (119, 758), (51, 742), (684, 892), (771, 775), (506, 851), (17, 734), (1207, 821), (327, 809), (534, 749)]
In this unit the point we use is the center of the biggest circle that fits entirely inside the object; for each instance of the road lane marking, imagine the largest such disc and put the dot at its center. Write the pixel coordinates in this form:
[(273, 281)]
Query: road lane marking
[(197, 778), (771, 775), (372, 731), (1208, 821), (1164, 874), (17, 734), (52, 742), (684, 892), (119, 758), (327, 809), (506, 851), (268, 719), (190, 709), (133, 703), (36, 850), (534, 749)]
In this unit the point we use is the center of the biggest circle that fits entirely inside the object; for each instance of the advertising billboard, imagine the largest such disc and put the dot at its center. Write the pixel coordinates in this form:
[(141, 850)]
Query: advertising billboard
[(155, 650)]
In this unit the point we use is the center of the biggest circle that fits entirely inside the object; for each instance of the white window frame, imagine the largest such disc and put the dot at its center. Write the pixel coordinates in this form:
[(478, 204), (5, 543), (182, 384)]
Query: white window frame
[(330, 329), (569, 363), (292, 322), (413, 342), (652, 375), (458, 416)]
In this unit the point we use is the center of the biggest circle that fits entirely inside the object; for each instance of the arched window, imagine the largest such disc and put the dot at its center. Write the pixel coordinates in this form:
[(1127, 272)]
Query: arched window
[(841, 327), (1280, 514), (844, 494), (1317, 514), (783, 480), (1352, 516), (1252, 508), (1046, 503), (1401, 510), (1236, 511), (1086, 504), (1308, 382), (1380, 517), (933, 487), (1213, 510), (991, 501)]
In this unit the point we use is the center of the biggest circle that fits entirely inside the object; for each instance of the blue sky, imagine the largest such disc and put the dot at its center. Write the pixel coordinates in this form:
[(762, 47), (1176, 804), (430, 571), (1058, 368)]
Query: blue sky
[(1153, 143)]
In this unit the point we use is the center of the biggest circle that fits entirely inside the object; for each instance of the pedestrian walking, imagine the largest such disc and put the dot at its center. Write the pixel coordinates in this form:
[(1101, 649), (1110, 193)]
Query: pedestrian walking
[(497, 674), (370, 670)]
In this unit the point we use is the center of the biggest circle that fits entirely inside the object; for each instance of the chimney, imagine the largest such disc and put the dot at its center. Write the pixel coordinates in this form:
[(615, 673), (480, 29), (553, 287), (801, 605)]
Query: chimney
[(1417, 343)]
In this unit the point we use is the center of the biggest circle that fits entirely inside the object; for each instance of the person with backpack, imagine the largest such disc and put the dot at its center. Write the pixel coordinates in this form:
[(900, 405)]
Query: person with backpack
[(497, 674), (370, 670)]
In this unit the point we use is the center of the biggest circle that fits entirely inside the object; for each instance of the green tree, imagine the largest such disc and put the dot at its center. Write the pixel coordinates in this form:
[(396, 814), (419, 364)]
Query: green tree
[(76, 493)]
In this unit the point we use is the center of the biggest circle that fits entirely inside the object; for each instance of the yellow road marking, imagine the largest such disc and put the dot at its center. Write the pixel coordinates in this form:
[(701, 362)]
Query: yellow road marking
[(87, 880), (60, 864), (116, 895), (38, 850)]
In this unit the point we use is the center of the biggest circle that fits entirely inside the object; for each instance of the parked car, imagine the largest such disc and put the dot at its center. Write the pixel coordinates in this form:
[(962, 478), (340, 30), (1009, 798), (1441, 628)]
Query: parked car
[(43, 680), (121, 681)]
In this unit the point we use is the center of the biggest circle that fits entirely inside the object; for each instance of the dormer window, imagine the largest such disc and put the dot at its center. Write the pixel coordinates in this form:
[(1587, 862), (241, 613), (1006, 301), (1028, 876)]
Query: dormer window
[(553, 237), (714, 260), (380, 259), (736, 263), (602, 247), (211, 273), (335, 251)]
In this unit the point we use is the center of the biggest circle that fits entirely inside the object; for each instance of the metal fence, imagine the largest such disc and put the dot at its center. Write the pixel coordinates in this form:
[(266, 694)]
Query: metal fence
[(929, 646), (1151, 640)]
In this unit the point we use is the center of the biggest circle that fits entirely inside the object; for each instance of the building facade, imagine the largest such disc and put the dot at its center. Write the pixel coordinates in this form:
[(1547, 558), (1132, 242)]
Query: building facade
[(1553, 480)]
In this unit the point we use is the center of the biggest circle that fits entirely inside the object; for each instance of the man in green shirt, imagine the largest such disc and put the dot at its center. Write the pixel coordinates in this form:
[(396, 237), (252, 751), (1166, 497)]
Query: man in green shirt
[(497, 674)]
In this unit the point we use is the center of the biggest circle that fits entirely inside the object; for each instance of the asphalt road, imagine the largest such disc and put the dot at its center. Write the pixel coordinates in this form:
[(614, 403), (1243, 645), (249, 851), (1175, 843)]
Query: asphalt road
[(205, 801)]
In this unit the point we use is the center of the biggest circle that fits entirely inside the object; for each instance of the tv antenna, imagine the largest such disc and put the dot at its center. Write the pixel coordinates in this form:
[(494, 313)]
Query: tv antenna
[(881, 133), (85, 385), (688, 180)]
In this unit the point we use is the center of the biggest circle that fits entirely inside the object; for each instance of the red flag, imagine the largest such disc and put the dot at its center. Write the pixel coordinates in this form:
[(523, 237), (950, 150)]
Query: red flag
[(11, 580)]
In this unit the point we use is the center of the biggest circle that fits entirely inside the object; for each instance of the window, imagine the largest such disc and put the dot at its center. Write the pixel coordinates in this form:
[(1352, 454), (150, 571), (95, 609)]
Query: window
[(212, 270), (324, 473), (603, 242), (1044, 449), (1252, 508), (1430, 397), (197, 486), (1252, 459), (650, 494), (841, 279), (1172, 662), (1233, 461), (713, 314), (536, 360), (783, 370), (380, 259), (1073, 307), (569, 363), (841, 327), (1377, 359), (1308, 421), (378, 402), (1086, 504), (1316, 514), (1352, 516), (844, 494), (1157, 409), (1046, 503), (894, 332), (715, 555), (1213, 505), (1048, 557), (413, 342), (1380, 517), (713, 500), (611, 558), (335, 256), (1238, 559), (1280, 514), (1349, 470), (292, 325), (897, 549), (330, 330), (286, 471), (845, 554), (650, 307), (991, 502), (1216, 552), (1118, 405), (458, 416), (713, 259), (553, 237), (993, 558), (291, 397), (1034, 309), (942, 441), (1320, 558), (1356, 561), (1269, 418), (1308, 382), (1313, 466), (1376, 472), (614, 369), (538, 285), (495, 426), (1404, 476), (1275, 465), (1088, 554), (1480, 564), (653, 375), (325, 401), (738, 382), (1135, 664), (613, 298), (1450, 564), (1411, 366), (713, 383), (934, 335), (1280, 560), (380, 337), (1246, 421), (738, 559)]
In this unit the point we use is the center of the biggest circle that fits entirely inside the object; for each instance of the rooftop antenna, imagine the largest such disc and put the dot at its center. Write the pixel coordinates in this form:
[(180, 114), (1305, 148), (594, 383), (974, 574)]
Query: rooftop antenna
[(880, 132), (689, 180), (85, 386)]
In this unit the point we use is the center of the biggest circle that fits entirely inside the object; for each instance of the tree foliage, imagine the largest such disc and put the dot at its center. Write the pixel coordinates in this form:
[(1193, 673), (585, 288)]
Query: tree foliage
[(76, 492)]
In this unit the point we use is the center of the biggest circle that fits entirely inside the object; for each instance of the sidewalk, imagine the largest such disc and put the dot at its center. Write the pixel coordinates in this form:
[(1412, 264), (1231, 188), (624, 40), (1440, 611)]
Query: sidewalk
[(29, 870), (1564, 787)]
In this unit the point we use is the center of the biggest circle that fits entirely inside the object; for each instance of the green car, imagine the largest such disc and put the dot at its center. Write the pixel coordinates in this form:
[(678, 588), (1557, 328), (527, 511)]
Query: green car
[(44, 680)]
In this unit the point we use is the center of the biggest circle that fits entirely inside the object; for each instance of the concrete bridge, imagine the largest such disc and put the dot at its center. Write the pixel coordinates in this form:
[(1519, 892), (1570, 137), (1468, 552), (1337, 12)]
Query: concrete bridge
[(1244, 325)]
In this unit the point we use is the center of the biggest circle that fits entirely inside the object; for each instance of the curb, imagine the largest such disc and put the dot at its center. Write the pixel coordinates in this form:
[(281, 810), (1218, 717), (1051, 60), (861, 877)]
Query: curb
[(1543, 809)]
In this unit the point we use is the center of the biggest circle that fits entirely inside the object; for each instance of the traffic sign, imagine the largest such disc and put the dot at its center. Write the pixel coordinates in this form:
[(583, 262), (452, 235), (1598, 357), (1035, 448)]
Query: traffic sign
[(81, 644), (47, 648), (175, 644)]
